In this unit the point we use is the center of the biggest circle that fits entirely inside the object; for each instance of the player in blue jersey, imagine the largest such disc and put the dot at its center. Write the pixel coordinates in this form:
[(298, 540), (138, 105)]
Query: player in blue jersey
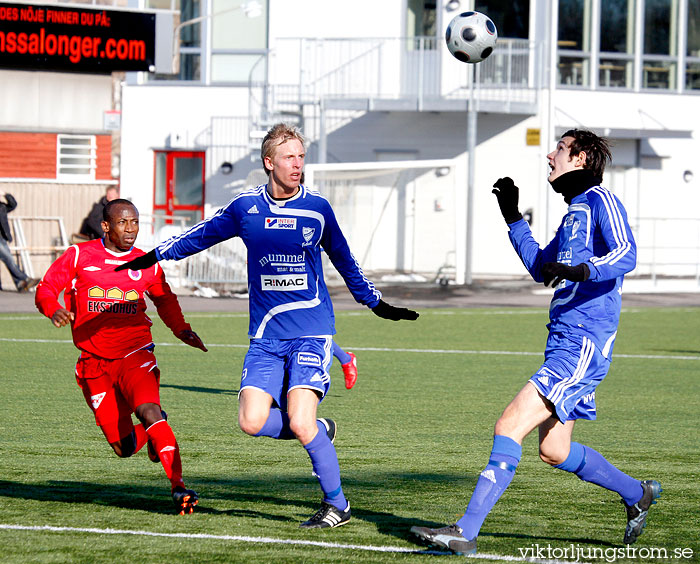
[(586, 261), (285, 227)]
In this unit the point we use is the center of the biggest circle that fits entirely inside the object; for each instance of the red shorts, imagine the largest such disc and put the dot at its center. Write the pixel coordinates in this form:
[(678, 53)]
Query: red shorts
[(115, 388)]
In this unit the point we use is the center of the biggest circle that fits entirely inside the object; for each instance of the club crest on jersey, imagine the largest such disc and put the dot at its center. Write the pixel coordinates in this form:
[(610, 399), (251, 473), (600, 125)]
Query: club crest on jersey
[(135, 274), (96, 400), (308, 359), (280, 223), (308, 233)]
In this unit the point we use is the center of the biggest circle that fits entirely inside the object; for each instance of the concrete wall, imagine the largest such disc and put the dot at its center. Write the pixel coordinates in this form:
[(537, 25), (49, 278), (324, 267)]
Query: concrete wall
[(151, 114), (51, 101)]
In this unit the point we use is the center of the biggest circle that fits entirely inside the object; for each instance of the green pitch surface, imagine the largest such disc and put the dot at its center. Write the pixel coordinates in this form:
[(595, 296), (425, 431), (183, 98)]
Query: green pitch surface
[(413, 436)]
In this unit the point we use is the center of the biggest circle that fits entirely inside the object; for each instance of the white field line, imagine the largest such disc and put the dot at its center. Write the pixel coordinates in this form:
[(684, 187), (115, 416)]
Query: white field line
[(265, 540), (385, 349)]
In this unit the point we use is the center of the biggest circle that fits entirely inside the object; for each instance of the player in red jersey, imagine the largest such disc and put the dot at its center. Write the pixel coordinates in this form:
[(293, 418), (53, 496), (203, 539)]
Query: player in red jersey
[(117, 370)]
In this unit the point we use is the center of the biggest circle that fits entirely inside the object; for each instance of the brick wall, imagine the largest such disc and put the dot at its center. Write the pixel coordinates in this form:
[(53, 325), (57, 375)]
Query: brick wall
[(33, 155)]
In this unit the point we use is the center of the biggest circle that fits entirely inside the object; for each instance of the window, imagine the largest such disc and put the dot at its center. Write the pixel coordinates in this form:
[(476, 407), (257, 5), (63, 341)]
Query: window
[(616, 44), (189, 36), (190, 40), (692, 72), (76, 157), (512, 17), (421, 18), (660, 41), (238, 42), (574, 42)]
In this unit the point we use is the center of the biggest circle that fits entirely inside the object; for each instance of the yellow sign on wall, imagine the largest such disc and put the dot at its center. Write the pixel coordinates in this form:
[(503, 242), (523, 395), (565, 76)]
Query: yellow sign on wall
[(532, 137)]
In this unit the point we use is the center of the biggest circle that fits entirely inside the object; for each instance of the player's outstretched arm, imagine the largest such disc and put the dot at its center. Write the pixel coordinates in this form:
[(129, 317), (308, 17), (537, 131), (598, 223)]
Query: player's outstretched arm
[(62, 317), (191, 338), (139, 263), (555, 272), (386, 311)]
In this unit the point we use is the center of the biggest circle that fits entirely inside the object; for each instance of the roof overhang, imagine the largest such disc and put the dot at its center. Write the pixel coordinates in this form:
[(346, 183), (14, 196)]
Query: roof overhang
[(632, 133)]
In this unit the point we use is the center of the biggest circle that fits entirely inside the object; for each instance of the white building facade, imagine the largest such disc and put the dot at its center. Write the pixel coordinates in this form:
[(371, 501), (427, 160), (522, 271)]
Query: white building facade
[(371, 82)]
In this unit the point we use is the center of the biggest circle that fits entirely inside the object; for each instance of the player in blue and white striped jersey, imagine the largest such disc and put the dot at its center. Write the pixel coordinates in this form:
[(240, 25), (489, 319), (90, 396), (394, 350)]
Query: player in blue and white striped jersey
[(586, 261), (285, 227)]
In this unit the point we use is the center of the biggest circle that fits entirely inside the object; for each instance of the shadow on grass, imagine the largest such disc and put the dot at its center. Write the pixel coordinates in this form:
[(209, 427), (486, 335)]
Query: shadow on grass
[(201, 390), (255, 492), (141, 498)]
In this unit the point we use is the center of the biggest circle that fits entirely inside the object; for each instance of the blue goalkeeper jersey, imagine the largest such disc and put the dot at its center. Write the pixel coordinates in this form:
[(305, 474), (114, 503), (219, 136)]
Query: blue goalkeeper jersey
[(288, 297), (594, 231)]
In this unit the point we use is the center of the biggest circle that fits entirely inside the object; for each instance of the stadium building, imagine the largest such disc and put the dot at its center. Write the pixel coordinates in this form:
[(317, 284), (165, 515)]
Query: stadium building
[(405, 140)]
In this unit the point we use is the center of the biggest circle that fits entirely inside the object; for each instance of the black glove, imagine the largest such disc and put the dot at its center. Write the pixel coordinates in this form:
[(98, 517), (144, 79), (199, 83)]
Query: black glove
[(386, 311), (139, 263), (555, 272), (507, 195)]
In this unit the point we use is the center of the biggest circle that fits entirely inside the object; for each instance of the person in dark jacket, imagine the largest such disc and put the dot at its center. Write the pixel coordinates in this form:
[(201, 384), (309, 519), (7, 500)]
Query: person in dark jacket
[(91, 227), (21, 280)]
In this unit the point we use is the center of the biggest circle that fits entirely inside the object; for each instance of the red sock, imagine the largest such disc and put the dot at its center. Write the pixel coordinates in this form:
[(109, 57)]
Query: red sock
[(163, 440), (140, 437)]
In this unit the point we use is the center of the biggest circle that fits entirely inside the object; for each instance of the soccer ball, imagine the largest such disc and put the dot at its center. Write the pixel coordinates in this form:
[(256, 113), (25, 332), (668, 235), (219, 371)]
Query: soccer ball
[(471, 37)]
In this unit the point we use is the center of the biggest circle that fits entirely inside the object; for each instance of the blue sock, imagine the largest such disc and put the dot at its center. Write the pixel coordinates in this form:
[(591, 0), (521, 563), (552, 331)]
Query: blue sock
[(276, 426), (325, 464), (591, 466), (340, 354), (493, 481)]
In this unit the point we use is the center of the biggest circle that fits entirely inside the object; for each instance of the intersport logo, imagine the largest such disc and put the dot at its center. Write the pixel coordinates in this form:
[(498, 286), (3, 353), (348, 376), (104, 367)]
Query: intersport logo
[(280, 223)]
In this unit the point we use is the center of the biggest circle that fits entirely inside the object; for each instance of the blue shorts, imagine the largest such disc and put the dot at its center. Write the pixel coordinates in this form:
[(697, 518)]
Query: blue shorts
[(277, 366), (573, 367)]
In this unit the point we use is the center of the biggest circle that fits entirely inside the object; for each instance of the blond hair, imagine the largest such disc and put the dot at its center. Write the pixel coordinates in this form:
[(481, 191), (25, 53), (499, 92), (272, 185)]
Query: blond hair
[(278, 134)]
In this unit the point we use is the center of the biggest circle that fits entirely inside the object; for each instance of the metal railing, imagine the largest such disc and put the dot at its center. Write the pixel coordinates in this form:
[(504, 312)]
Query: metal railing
[(668, 247), (396, 68), (222, 264), (44, 240)]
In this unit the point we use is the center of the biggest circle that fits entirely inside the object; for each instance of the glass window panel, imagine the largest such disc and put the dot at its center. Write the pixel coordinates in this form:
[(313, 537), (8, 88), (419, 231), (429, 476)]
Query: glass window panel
[(233, 29), (191, 217), (616, 23), (573, 71), (190, 66), (571, 24), (237, 68), (657, 27), (512, 17), (162, 4), (187, 181), (190, 35), (658, 74), (693, 49), (421, 19), (692, 76), (161, 163), (614, 73), (76, 156)]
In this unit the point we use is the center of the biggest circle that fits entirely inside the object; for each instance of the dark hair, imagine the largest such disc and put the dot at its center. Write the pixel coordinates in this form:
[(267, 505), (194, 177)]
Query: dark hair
[(597, 149), (107, 211), (278, 134)]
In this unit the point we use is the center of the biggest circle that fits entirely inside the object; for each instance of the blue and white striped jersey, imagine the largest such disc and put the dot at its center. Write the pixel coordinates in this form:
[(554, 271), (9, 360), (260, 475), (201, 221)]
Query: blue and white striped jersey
[(288, 297), (595, 231)]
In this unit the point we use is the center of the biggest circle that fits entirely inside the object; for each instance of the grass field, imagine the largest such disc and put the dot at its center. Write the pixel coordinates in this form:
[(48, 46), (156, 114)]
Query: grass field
[(414, 434)]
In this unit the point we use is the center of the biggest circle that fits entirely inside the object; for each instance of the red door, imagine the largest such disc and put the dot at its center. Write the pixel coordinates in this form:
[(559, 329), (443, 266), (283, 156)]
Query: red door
[(178, 188)]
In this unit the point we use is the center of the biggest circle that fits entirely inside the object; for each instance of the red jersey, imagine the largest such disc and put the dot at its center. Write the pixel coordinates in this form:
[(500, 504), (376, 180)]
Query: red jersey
[(109, 307)]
